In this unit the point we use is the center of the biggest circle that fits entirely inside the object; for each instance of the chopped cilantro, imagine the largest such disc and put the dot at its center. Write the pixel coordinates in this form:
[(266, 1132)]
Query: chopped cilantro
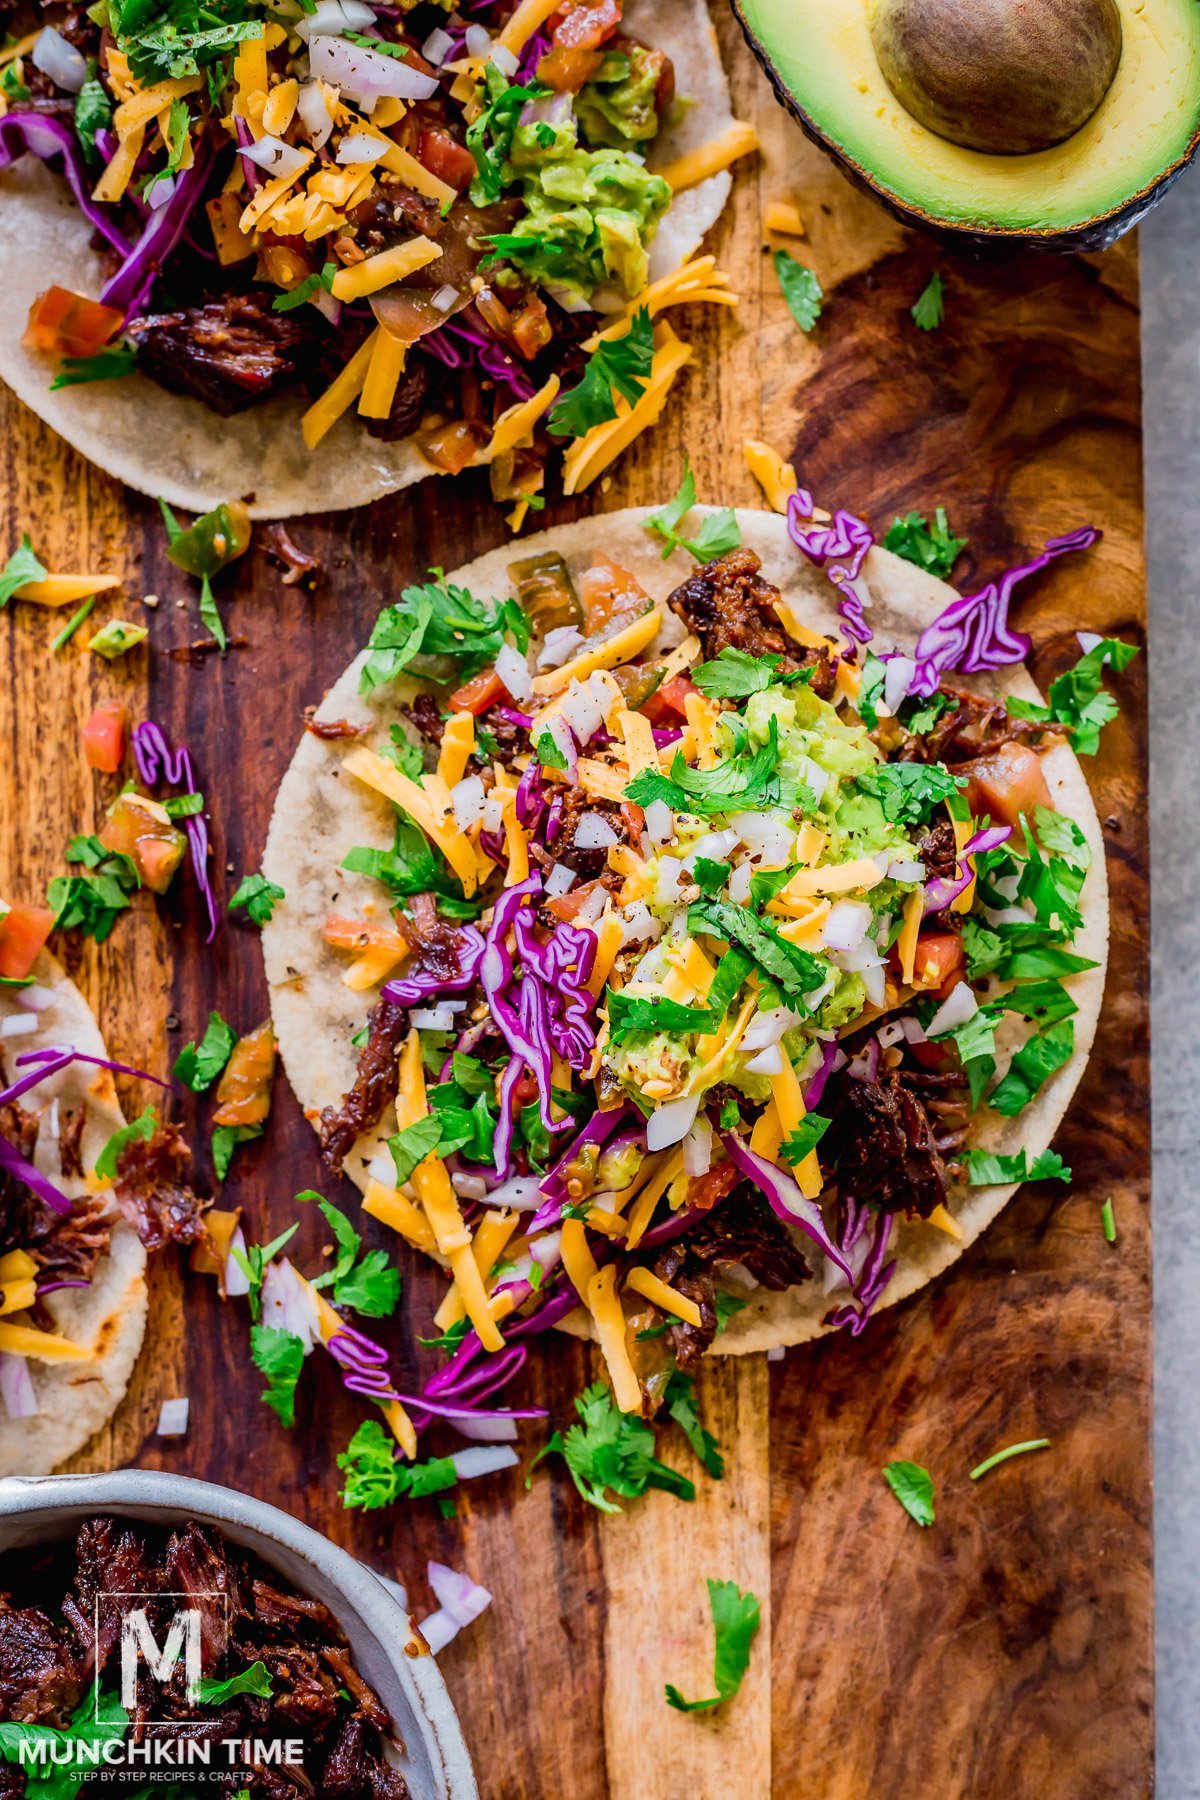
[(437, 620), (91, 903), (548, 752), (140, 1129), (801, 289), (1108, 1221), (225, 1140), (198, 1065), (794, 970), (766, 883), (490, 134), (920, 716), (933, 547), (616, 366), (1033, 1064), (117, 638), (450, 1339), (913, 1488), (710, 877), (736, 1618), (909, 792), (611, 1450), (411, 867), (413, 1144), (280, 1356), (93, 113), (22, 566), (870, 689), (739, 784), (986, 1170), (111, 364), (254, 1680), (928, 307), (375, 1477), (730, 1117), (304, 290), (1078, 700), (719, 531), (680, 1401), (727, 1305), (370, 1286), (1002, 1456), (654, 1012), (253, 1263), (806, 1137), (735, 675), (258, 896)]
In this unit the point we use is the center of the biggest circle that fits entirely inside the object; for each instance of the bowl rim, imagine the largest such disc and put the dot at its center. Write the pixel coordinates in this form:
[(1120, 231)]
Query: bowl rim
[(368, 1594)]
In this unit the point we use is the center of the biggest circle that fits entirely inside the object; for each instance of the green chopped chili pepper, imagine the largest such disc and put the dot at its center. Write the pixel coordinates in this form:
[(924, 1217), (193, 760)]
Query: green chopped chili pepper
[(216, 539)]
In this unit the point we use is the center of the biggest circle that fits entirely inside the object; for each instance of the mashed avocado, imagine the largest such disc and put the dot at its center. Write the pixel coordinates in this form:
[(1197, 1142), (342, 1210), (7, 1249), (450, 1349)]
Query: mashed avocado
[(617, 106), (589, 214)]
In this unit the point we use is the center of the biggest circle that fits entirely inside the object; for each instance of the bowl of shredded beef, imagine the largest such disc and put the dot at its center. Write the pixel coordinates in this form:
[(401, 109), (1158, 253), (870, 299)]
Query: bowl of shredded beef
[(298, 1643)]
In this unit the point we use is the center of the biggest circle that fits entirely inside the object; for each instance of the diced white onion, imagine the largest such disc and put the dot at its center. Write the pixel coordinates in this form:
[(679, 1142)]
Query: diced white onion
[(47, 1150), (493, 815), (913, 1031), (660, 822), (469, 800), (276, 157), (897, 679), (358, 147), (593, 906), (1088, 640), (891, 1033), (330, 18), (585, 708), (17, 1025), (437, 46), (445, 297), (638, 923), (666, 890), (739, 884), (593, 832), (776, 1353), (559, 881), (513, 671), (59, 59), (698, 1147), (954, 1011), (287, 1304), (815, 777), (485, 1431), (875, 983), (432, 1018), (771, 836), (847, 925), (523, 1194), (367, 74), (314, 113), (471, 1187), (546, 1249), (16, 1386), (669, 1124), (714, 846), (504, 59), (237, 1282), (906, 869), (34, 998), (479, 41), (767, 1062), (560, 646), (468, 1464), (160, 191), (173, 1418), (768, 1027)]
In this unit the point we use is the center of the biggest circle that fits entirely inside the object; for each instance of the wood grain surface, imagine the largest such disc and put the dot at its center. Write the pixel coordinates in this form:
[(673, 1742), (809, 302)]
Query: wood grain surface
[(1006, 1654)]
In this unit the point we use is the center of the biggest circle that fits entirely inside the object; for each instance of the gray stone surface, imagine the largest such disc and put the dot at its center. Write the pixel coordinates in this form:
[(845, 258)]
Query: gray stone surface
[(1171, 353)]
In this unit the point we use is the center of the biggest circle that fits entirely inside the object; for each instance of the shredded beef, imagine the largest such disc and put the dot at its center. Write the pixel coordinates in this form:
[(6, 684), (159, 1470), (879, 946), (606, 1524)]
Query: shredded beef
[(742, 1230), (305, 1693), (229, 352), (40, 1680), (65, 1247), (729, 606), (70, 1142), (938, 851), (688, 1277), (409, 403), (972, 727), (884, 1147), (332, 730), (590, 865), (109, 1559), (153, 1192), (510, 738), (294, 561), (944, 1097), (198, 1565), (279, 1606), (426, 716), (375, 1084)]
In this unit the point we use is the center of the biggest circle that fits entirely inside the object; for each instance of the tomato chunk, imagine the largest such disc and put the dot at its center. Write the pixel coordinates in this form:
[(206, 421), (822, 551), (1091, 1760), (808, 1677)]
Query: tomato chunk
[(610, 595), (23, 931), (587, 25), (245, 1088), (65, 324), (939, 960), (446, 158), (363, 934), (668, 704), (104, 737), (138, 828), (1006, 783), (483, 690)]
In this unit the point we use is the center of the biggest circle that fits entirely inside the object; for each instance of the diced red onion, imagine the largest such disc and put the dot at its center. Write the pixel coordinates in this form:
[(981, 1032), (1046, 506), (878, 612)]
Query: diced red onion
[(34, 998), (330, 18), (461, 1597), (47, 138), (483, 1460), (57, 58), (833, 1058), (17, 1025), (287, 1304), (367, 74), (959, 1006), (173, 1418)]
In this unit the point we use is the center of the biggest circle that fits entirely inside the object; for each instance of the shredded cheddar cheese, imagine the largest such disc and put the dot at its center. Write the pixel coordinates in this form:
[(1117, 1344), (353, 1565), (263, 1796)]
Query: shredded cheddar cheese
[(605, 1307), (738, 139), (663, 1296), (776, 478), (591, 454), (384, 269), (618, 649)]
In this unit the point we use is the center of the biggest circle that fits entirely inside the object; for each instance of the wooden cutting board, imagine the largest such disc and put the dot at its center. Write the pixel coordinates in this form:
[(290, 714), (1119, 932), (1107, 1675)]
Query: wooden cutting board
[(1005, 1653)]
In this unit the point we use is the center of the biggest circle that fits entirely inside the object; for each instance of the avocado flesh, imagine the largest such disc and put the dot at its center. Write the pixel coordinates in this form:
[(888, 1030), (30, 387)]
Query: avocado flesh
[(820, 58)]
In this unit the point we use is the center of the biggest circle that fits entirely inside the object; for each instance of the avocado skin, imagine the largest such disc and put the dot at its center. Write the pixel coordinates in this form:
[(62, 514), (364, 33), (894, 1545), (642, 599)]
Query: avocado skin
[(1095, 234)]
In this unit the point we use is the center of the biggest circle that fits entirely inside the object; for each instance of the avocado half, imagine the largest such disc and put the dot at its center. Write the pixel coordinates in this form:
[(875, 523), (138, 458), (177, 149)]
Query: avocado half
[(1079, 194)]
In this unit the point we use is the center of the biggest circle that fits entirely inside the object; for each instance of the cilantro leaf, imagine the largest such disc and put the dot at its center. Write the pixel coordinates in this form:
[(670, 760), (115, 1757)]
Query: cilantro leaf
[(920, 716), (372, 1287), (258, 896), (490, 134), (653, 1012), (617, 365), (1040, 962), (1037, 1059), (806, 1137), (908, 792), (986, 1170), (680, 1402), (727, 1305), (140, 1129), (375, 1477), (225, 1140), (280, 1356), (1077, 700), (93, 111), (548, 752), (198, 1065), (347, 1239), (253, 1264), (794, 970), (254, 1680), (870, 689), (611, 1450), (436, 621), (735, 675), (411, 867), (740, 783), (304, 290), (412, 1144), (111, 364), (736, 1618), (710, 877), (933, 547), (22, 566), (91, 903), (928, 307), (801, 289), (913, 1488), (719, 531)]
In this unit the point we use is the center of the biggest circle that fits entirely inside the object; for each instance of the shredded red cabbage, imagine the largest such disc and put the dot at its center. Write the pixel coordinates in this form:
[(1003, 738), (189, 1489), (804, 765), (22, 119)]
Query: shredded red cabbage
[(457, 343), (784, 1198), (507, 1101), (816, 1086), (47, 138), (426, 984), (130, 286), (843, 537), (562, 967), (973, 633), (941, 891), (156, 761), (245, 138), (875, 1276), (596, 1133), (48, 1062)]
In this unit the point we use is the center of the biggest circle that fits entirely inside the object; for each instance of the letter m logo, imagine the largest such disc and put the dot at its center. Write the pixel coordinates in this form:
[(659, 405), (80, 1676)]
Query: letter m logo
[(138, 1641)]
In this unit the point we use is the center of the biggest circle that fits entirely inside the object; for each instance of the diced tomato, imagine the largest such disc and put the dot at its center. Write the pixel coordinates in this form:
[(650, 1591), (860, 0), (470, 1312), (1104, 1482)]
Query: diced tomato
[(104, 737), (136, 829), (566, 71), (23, 931), (931, 1055), (939, 960), (565, 906), (1006, 783), (610, 595), (363, 934), (705, 1190), (449, 447), (667, 705), (531, 330), (664, 87), (446, 158), (526, 1089), (245, 1089), (65, 324), (483, 690), (588, 25), (633, 816)]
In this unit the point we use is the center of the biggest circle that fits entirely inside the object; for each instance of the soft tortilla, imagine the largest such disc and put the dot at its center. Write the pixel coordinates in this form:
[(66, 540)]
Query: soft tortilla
[(170, 446), (319, 814), (76, 1399)]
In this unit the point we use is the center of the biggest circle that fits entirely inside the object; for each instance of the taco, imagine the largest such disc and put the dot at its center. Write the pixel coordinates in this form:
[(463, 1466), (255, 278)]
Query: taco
[(73, 1243), (337, 242), (671, 967)]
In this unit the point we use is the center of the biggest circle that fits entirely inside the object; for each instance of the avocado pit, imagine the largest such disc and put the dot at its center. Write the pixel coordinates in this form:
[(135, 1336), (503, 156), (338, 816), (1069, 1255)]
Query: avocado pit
[(1003, 76)]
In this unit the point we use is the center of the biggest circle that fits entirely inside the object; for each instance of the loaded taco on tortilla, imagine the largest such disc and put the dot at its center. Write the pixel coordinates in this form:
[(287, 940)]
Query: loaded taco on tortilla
[(82, 1197), (693, 946), (375, 243)]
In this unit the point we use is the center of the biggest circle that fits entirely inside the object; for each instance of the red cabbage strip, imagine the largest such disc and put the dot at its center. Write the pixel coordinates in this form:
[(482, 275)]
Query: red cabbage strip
[(871, 1283), (816, 1086), (45, 137), (425, 984), (940, 892), (561, 967), (785, 1199), (457, 343), (14, 1164), (507, 1100), (845, 536), (598, 1130), (973, 634), (48, 1062), (364, 1371), (245, 137), (156, 761), (131, 284)]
